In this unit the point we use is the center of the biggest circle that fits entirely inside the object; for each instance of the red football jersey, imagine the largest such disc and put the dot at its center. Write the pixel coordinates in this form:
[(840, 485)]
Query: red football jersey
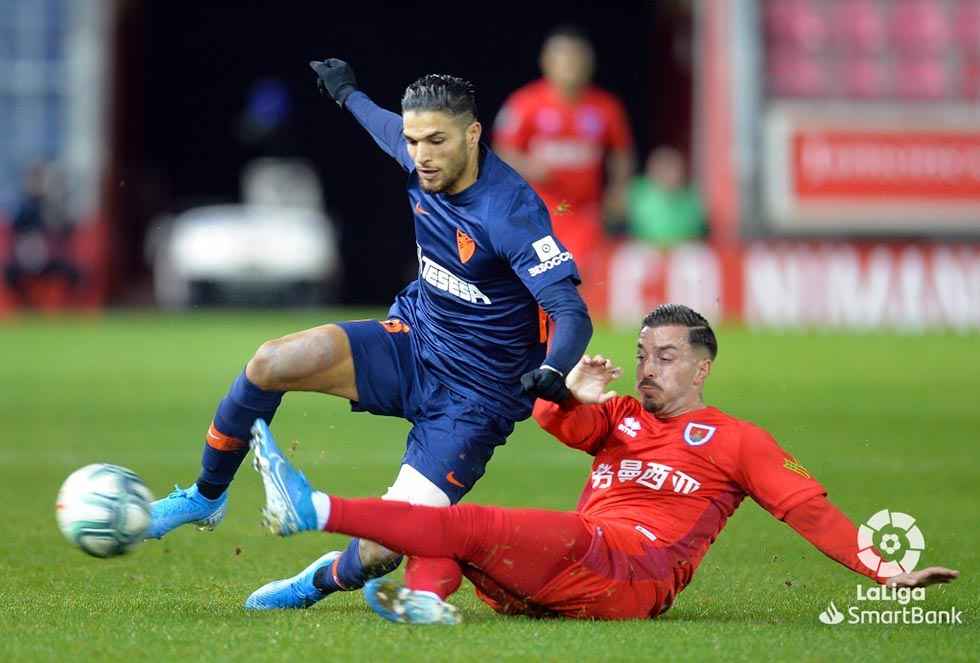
[(673, 483), (572, 138)]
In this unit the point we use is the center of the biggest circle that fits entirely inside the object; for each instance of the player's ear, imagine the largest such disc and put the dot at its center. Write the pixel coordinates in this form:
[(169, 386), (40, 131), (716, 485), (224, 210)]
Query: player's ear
[(703, 371), (473, 133)]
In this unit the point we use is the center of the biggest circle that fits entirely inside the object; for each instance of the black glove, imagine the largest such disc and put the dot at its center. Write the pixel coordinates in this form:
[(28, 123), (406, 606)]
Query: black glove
[(545, 383), (336, 78)]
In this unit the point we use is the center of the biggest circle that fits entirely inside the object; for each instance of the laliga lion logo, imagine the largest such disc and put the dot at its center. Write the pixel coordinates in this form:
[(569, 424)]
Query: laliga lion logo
[(895, 532)]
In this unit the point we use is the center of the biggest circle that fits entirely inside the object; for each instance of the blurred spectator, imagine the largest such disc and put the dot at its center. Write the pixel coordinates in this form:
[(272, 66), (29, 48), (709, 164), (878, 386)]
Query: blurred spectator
[(40, 235), (663, 209), (266, 126), (559, 132)]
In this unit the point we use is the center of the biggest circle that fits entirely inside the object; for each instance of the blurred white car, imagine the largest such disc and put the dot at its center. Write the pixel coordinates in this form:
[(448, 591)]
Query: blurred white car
[(244, 254)]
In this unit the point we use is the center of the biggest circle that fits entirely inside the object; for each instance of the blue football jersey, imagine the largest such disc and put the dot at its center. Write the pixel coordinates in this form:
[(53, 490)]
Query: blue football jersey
[(484, 255)]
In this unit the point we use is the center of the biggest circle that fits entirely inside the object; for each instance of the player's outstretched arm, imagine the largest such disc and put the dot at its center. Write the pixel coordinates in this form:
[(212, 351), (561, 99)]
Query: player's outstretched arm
[(833, 533), (830, 531), (336, 79), (784, 488)]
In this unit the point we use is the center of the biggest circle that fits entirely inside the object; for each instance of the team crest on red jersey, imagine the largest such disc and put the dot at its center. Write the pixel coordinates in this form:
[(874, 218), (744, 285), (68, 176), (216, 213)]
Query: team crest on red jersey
[(698, 434), (466, 246)]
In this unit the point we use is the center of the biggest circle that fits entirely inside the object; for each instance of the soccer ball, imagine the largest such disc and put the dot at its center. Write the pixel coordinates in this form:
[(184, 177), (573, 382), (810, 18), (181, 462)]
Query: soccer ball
[(103, 509)]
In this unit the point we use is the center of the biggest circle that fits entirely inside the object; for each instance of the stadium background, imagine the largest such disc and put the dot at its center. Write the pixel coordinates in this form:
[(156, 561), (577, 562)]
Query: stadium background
[(142, 105)]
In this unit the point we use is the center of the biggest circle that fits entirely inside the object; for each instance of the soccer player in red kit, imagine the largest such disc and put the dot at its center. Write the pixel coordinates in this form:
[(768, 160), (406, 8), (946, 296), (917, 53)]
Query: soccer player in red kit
[(565, 136), (668, 472)]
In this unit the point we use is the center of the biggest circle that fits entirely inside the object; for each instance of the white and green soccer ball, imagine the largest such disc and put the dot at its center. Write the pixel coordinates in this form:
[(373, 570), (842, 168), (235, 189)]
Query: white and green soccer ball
[(104, 509)]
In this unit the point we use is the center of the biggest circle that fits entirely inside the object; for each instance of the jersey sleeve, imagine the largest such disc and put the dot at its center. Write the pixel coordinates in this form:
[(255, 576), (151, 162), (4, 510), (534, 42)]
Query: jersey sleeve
[(384, 127), (830, 531), (528, 243), (572, 325), (512, 126), (772, 477), (576, 425), (619, 135)]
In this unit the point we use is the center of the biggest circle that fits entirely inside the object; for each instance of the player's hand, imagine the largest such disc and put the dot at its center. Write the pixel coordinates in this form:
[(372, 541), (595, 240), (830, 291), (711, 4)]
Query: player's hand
[(546, 383), (336, 78), (928, 576), (590, 377)]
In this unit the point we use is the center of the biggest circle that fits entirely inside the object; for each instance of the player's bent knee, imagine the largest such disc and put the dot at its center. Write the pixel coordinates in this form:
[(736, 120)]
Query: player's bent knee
[(307, 360), (260, 369)]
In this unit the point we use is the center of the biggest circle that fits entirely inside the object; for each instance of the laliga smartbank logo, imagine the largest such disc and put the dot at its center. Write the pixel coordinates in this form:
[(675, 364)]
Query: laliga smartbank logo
[(889, 606), (889, 543)]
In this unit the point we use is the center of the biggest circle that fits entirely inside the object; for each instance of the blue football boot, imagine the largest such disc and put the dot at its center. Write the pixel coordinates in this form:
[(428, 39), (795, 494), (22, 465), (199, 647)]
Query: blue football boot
[(406, 606), (288, 496), (182, 506), (291, 593)]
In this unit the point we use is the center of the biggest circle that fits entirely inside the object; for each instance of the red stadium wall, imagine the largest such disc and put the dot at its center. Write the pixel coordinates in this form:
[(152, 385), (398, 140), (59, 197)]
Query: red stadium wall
[(787, 284)]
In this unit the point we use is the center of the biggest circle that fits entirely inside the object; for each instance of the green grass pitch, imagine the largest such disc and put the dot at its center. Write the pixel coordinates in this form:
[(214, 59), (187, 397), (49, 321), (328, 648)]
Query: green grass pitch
[(884, 421)]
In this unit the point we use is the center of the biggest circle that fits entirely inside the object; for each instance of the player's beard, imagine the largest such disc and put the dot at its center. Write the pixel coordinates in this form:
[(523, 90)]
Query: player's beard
[(451, 173), (650, 404)]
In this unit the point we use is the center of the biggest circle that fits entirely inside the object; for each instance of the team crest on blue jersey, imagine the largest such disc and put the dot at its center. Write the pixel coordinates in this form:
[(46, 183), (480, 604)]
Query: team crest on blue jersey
[(698, 434), (466, 246)]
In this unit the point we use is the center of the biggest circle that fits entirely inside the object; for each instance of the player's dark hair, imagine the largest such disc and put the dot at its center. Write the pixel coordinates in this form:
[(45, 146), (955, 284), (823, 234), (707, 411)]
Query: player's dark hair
[(699, 330), (441, 92)]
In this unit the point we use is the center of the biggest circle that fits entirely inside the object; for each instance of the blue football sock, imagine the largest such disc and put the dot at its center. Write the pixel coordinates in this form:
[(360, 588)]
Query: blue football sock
[(350, 572), (218, 467), (236, 413)]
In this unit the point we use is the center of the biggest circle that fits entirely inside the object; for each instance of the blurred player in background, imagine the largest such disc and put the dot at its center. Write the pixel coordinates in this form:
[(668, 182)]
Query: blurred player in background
[(462, 355), (566, 137), (668, 473), (41, 232), (664, 209)]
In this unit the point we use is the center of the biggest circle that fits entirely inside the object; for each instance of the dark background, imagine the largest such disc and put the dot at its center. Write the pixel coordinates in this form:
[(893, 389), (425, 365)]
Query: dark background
[(184, 69)]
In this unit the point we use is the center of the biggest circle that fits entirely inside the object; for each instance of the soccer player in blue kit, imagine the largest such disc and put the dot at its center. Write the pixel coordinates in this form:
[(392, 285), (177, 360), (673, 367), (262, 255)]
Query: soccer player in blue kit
[(462, 356)]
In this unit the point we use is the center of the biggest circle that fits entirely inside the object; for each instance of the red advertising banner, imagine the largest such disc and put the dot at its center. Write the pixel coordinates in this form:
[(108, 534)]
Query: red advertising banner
[(851, 285), (883, 170), (870, 164)]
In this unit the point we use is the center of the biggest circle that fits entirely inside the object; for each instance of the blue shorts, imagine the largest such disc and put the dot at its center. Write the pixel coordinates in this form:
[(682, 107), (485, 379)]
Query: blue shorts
[(452, 437)]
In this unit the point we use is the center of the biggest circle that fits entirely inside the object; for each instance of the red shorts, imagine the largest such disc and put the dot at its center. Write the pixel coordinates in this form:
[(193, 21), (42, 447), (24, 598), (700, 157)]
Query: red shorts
[(593, 588)]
